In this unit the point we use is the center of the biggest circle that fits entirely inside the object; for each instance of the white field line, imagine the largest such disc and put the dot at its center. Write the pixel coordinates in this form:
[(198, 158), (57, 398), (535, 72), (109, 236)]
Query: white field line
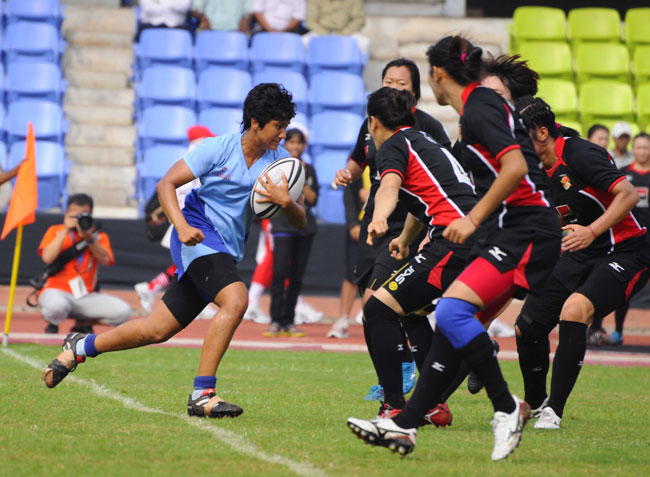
[(231, 439)]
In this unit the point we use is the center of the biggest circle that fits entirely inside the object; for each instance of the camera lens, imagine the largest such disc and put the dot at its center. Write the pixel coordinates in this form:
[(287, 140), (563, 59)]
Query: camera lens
[(85, 221)]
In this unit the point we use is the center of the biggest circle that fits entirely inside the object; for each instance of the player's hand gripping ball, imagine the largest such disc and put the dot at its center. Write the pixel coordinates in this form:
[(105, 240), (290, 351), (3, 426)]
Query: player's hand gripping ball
[(293, 170)]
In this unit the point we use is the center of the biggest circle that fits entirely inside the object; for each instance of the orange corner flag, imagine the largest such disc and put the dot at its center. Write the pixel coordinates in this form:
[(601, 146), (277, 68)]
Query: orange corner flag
[(25, 196)]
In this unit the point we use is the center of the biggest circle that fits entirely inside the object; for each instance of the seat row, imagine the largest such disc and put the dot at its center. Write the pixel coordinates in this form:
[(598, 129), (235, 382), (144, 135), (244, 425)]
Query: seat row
[(47, 11), (32, 41), (47, 117), (32, 80)]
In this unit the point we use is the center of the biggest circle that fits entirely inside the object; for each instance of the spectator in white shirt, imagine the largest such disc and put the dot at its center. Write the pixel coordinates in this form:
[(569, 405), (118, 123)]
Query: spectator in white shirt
[(163, 14), (621, 134), (279, 15)]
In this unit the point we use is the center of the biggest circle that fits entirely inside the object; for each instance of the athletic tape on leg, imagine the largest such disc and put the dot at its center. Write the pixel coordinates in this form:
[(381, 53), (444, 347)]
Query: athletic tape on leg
[(455, 318)]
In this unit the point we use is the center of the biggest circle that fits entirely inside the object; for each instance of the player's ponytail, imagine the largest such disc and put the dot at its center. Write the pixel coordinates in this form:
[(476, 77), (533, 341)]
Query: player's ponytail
[(461, 60), (392, 107), (536, 113)]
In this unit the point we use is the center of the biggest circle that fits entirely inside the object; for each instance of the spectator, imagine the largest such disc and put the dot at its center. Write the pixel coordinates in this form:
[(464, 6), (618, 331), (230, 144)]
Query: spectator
[(621, 133), (337, 17), (279, 15), (71, 292), (163, 14), (222, 15), (599, 134)]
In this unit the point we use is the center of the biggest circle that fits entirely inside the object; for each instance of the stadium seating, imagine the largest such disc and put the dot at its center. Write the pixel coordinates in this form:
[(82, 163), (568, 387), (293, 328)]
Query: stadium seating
[(164, 84), (51, 171), (164, 125), (34, 80), (637, 30), (157, 161), (561, 96), (643, 104), (293, 81), (167, 46), (222, 49), (641, 65), (300, 118), (538, 24), (32, 41), (337, 91), (221, 120), (601, 101), (602, 61), (46, 116), (277, 50), (594, 24), (549, 59), (334, 52), (223, 87), (333, 131), (331, 208), (327, 165), (47, 11)]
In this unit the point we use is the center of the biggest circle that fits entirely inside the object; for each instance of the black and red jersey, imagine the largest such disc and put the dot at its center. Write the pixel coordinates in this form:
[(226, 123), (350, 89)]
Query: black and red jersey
[(490, 128), (364, 154), (581, 183), (436, 188), (641, 181)]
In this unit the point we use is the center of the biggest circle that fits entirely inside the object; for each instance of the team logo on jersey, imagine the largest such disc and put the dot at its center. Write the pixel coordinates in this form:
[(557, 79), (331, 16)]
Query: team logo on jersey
[(392, 286), (617, 266), (221, 172), (497, 253), (565, 181)]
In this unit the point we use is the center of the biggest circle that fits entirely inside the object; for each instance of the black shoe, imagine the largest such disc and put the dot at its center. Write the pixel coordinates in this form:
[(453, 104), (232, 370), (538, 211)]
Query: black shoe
[(196, 407), (85, 329), (51, 329), (56, 371), (474, 384)]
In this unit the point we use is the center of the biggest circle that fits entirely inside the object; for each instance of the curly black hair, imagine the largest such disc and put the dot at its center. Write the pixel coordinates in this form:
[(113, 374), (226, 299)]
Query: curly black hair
[(460, 59), (536, 113), (514, 73), (268, 102), (394, 108)]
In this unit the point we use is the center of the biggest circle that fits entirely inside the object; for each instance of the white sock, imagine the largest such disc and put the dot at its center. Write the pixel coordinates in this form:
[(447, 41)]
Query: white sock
[(254, 294)]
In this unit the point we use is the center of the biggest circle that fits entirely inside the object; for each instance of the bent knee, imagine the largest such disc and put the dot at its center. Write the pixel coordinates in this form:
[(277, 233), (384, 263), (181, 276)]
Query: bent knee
[(577, 308)]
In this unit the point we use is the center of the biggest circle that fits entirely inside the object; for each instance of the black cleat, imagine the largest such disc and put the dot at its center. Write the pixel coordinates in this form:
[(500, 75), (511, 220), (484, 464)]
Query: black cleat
[(56, 371), (196, 407)]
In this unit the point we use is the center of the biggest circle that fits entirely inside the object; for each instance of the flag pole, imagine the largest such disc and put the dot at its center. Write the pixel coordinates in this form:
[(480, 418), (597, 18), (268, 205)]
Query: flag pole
[(12, 287)]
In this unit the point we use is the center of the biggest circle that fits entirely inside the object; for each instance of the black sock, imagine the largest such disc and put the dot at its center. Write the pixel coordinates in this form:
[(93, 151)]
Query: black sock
[(597, 324), (462, 373), (407, 356), (368, 338), (386, 349), (440, 367), (420, 335), (620, 318), (567, 363), (480, 357), (533, 348)]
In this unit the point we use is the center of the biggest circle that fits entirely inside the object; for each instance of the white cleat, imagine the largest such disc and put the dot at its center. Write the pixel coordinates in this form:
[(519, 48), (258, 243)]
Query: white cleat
[(548, 419), (538, 411), (147, 296), (385, 433), (507, 429), (498, 329), (339, 329), (256, 315), (306, 314)]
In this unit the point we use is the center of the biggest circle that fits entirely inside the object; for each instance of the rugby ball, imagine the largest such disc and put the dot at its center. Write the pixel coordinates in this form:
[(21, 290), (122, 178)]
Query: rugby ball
[(295, 174)]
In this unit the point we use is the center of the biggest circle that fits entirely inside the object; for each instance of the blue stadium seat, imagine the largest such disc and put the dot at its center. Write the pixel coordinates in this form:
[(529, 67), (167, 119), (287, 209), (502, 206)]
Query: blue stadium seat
[(165, 84), (294, 82), (51, 171), (164, 125), (32, 41), (277, 50), (300, 118), (330, 205), (223, 87), (48, 11), (156, 163), (46, 116), (328, 164), (169, 46), (222, 49), (334, 52), (333, 131), (34, 80), (221, 120), (337, 91)]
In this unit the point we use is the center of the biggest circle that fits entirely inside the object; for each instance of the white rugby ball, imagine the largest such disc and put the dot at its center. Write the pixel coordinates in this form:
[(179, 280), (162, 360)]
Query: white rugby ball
[(295, 174)]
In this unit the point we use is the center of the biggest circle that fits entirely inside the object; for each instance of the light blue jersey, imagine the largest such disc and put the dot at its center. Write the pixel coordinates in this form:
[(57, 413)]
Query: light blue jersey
[(220, 204)]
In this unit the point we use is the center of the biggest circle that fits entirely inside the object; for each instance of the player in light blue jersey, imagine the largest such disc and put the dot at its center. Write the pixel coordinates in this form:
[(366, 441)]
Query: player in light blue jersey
[(207, 241)]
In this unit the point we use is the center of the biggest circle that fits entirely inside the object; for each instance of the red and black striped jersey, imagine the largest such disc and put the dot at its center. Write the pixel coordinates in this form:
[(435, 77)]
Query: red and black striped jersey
[(435, 188), (489, 128), (641, 181), (581, 183)]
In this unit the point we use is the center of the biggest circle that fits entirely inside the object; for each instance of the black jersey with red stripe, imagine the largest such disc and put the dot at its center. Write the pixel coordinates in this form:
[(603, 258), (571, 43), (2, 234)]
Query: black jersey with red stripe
[(364, 154), (581, 183), (490, 128), (641, 181), (435, 187)]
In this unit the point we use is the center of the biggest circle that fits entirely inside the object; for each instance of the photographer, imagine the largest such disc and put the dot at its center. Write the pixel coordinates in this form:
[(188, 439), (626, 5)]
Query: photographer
[(70, 291)]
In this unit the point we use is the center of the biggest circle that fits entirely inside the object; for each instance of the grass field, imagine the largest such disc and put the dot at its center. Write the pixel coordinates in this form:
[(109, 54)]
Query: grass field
[(124, 414)]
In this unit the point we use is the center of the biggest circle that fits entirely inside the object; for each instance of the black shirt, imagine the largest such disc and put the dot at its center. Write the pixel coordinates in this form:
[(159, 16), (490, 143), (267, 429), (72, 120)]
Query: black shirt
[(279, 223), (436, 188), (640, 180), (581, 182)]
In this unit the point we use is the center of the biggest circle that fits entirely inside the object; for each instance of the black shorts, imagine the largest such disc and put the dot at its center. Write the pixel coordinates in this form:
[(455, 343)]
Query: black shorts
[(608, 282), (200, 284), (350, 257), (426, 275)]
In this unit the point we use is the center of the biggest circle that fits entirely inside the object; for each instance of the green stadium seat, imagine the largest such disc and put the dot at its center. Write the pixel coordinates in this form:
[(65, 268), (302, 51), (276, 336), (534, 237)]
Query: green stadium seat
[(641, 65), (602, 61), (561, 96), (548, 58), (537, 24), (570, 123), (643, 105), (594, 24), (637, 27), (602, 101)]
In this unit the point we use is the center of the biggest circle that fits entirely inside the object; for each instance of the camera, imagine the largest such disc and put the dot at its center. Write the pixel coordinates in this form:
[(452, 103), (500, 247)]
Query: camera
[(85, 220)]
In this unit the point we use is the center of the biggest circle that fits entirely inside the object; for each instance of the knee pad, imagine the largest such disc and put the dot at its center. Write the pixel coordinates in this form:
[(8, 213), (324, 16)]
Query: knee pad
[(531, 332), (375, 310), (455, 319)]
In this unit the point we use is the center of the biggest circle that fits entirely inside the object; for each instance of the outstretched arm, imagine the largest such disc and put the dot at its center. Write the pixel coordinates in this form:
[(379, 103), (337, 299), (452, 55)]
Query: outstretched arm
[(385, 203)]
